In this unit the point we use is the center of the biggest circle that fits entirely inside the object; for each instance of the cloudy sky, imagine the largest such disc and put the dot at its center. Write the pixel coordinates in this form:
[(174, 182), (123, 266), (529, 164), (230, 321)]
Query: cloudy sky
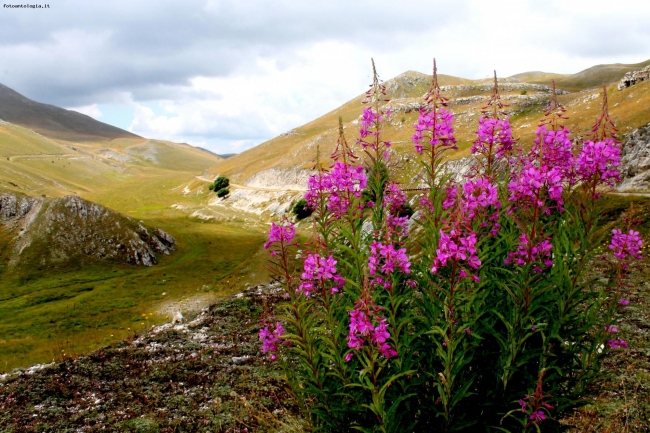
[(227, 75)]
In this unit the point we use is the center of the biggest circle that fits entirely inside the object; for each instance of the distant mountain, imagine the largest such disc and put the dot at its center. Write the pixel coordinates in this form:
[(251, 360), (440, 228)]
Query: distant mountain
[(226, 155), (55, 122), (50, 150)]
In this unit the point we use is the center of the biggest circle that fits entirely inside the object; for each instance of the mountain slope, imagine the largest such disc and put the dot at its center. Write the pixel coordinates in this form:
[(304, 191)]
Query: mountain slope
[(296, 150), (55, 122)]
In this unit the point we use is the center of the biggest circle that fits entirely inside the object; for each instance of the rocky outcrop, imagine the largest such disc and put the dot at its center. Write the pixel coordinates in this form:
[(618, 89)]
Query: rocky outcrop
[(634, 77), (57, 230), (72, 225), (635, 161), (280, 179), (13, 207), (503, 87)]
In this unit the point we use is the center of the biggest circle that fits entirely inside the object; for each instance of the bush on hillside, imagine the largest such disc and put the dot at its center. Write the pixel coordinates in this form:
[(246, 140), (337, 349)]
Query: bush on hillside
[(301, 209), (219, 183), (223, 192)]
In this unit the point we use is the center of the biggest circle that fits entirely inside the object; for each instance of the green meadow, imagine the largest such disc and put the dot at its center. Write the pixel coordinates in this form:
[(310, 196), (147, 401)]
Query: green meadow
[(52, 310)]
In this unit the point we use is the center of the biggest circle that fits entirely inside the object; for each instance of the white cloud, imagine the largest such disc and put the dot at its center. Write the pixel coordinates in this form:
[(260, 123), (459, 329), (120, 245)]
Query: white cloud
[(232, 74), (89, 110)]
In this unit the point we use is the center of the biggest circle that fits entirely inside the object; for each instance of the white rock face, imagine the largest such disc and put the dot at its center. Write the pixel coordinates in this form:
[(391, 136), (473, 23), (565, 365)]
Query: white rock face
[(269, 191), (634, 77), (635, 161), (274, 178)]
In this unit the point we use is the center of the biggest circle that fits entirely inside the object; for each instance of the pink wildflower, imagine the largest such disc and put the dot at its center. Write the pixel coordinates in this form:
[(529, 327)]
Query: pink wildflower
[(478, 194), (626, 245), (318, 269), (343, 182), (454, 246), (385, 260), (270, 338), (362, 330), (537, 416), (599, 159), (283, 234), (617, 343), (494, 137), (436, 131), (527, 253)]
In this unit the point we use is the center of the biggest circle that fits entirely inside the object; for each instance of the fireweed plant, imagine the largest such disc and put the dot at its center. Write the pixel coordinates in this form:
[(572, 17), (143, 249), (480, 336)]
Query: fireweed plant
[(479, 311)]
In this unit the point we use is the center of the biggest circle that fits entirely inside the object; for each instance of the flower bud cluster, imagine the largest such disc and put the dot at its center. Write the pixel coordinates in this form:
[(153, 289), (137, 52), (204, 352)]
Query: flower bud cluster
[(371, 127), (320, 271), (363, 330), (435, 129), (270, 336)]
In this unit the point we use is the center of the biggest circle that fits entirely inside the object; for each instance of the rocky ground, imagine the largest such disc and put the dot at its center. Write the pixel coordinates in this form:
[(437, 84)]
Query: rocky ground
[(206, 375)]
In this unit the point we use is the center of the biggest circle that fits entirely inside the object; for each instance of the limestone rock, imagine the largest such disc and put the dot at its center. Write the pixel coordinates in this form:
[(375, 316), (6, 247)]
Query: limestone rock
[(631, 78), (56, 230), (635, 161), (12, 206)]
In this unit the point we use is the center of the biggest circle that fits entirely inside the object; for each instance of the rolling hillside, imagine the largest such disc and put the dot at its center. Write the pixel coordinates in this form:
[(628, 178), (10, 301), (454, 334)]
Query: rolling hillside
[(592, 77), (526, 94), (72, 283)]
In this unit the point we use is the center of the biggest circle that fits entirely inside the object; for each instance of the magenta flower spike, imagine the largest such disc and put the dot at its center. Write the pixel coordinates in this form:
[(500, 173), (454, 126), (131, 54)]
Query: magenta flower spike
[(283, 234), (626, 245)]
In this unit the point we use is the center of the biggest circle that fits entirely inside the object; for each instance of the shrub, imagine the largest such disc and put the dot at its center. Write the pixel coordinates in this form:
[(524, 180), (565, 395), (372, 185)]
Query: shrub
[(484, 313), (223, 192), (301, 210), (219, 183)]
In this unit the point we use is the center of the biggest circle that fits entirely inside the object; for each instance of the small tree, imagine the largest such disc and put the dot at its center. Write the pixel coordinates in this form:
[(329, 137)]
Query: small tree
[(223, 192), (220, 183)]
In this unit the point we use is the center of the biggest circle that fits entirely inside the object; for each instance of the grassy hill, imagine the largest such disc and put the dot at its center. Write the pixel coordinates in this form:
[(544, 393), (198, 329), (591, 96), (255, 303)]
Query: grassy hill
[(78, 304), (526, 94)]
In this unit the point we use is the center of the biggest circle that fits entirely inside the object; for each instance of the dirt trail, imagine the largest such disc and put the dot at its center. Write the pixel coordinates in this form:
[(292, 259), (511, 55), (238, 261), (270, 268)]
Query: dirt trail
[(188, 305), (44, 155), (254, 188)]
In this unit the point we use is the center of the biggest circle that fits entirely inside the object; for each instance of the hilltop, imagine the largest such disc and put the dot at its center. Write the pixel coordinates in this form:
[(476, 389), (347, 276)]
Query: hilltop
[(592, 77)]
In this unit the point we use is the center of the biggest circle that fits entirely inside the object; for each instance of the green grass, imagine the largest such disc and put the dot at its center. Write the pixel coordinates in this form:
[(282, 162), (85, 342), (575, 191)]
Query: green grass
[(79, 305), (72, 308)]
